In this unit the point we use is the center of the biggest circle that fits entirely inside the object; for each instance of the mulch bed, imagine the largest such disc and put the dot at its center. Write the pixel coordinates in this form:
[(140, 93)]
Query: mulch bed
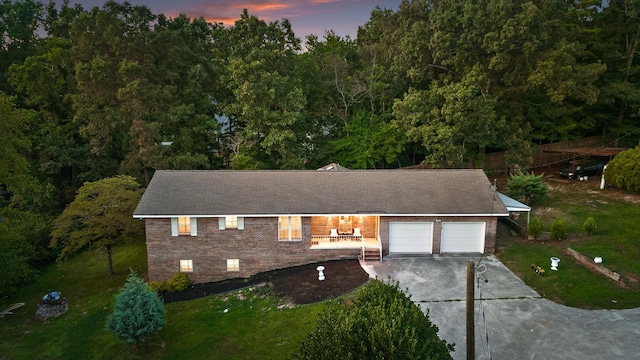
[(300, 283)]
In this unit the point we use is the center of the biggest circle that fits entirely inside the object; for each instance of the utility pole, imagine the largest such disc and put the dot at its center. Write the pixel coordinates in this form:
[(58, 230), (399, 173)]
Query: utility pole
[(471, 336)]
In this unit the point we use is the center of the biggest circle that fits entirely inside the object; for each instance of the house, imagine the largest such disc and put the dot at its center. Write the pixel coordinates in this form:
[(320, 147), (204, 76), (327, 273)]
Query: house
[(223, 224)]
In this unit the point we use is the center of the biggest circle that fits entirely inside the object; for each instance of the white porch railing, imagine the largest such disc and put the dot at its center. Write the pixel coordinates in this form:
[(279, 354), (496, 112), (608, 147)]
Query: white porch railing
[(342, 239)]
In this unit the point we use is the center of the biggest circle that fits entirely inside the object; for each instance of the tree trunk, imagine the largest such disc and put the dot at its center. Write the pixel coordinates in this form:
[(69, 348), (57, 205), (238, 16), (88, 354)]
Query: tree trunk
[(110, 258)]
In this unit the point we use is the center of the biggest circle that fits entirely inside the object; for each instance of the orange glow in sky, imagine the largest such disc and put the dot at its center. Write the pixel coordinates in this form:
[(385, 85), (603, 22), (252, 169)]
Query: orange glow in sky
[(306, 16)]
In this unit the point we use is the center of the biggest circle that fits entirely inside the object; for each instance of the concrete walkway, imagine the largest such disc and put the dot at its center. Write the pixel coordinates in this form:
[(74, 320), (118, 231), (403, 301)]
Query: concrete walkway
[(519, 323)]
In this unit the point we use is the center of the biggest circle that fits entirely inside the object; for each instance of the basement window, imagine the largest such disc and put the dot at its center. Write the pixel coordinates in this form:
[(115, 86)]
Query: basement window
[(233, 264), (186, 265)]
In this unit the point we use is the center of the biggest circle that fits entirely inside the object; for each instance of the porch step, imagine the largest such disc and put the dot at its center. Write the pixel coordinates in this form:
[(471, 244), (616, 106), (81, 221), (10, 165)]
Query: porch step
[(371, 254)]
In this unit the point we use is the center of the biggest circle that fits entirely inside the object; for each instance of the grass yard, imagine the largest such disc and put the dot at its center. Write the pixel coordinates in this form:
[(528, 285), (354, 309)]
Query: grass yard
[(253, 327), (617, 241)]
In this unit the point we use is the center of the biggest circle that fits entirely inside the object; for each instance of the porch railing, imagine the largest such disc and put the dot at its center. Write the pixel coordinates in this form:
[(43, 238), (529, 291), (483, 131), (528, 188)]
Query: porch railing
[(319, 239)]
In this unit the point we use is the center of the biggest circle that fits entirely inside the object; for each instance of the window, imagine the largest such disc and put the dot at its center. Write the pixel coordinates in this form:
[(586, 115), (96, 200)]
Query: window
[(289, 228), (231, 222), (184, 225), (186, 265), (233, 264)]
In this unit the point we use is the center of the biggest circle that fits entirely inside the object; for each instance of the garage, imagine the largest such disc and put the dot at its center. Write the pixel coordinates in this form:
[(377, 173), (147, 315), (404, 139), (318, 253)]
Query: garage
[(462, 237), (411, 237)]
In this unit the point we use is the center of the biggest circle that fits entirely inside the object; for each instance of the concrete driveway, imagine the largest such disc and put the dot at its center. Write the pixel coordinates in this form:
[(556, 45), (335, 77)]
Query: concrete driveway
[(519, 323)]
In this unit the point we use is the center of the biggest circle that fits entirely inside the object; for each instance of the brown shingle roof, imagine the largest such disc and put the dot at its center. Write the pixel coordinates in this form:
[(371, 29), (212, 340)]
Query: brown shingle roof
[(265, 192)]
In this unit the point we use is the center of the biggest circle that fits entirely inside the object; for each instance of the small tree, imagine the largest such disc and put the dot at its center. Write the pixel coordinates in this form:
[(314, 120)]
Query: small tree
[(623, 170), (558, 229), (535, 227), (527, 187), (382, 322), (101, 215), (138, 312), (589, 226)]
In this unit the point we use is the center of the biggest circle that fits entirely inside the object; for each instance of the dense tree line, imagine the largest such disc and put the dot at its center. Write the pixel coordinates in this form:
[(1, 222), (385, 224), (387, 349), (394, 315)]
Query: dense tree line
[(87, 94)]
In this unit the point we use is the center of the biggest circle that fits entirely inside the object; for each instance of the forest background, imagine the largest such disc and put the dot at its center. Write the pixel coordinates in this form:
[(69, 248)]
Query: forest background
[(87, 94)]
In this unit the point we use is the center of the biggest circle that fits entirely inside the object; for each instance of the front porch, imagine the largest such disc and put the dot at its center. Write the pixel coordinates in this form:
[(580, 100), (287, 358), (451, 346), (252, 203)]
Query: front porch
[(347, 232)]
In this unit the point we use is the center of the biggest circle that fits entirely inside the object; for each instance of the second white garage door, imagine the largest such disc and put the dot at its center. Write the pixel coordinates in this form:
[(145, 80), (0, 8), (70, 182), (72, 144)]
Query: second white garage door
[(411, 237), (459, 237)]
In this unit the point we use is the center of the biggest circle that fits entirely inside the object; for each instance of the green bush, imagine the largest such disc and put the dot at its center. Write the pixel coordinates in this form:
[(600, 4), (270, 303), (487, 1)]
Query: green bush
[(558, 229), (382, 322), (589, 225), (157, 286), (177, 283), (623, 171), (138, 312), (535, 227), (527, 187)]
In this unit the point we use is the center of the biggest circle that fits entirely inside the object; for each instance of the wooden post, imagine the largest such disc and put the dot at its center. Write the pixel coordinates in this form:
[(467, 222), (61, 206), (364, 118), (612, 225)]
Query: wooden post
[(471, 338)]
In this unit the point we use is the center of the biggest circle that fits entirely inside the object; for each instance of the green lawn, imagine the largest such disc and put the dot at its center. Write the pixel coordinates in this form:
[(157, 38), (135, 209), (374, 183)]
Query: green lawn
[(252, 327), (617, 241)]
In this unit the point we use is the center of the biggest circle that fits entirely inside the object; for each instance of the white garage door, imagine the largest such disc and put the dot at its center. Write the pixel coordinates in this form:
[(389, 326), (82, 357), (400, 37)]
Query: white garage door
[(462, 237), (410, 237)]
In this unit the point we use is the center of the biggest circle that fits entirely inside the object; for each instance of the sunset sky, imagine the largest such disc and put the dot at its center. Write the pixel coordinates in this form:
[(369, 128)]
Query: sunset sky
[(306, 16)]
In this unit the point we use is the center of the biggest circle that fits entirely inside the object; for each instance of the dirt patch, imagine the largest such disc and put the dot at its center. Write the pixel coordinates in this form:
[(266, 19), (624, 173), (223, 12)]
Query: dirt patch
[(300, 283)]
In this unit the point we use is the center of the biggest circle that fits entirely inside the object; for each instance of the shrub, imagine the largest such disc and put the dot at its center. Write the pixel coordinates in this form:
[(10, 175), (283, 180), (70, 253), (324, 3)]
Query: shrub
[(535, 227), (623, 171), (138, 312), (527, 187), (157, 286), (177, 283), (589, 225), (558, 229), (382, 322)]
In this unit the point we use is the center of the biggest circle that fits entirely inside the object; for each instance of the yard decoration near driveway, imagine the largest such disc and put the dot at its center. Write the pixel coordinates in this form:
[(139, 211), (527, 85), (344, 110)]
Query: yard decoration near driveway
[(320, 273), (539, 270)]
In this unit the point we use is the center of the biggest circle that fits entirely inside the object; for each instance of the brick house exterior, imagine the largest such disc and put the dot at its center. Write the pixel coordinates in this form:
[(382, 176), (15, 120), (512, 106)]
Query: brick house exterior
[(216, 225)]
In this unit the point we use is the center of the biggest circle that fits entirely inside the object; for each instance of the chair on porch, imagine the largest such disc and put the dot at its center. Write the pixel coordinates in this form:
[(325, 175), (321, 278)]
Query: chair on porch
[(356, 233), (334, 235)]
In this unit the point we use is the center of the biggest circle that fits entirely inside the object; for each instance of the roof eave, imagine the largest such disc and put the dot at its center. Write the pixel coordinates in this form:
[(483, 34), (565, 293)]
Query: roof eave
[(164, 216)]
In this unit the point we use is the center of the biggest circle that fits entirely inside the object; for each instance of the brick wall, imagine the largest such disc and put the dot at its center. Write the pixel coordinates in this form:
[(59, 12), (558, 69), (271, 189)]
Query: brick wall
[(256, 247)]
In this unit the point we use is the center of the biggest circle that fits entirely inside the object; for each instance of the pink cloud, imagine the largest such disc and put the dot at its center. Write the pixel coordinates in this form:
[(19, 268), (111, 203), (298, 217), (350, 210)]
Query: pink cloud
[(228, 11)]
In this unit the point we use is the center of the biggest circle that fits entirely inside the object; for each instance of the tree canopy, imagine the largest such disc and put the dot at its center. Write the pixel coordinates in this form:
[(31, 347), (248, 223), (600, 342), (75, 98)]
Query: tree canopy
[(101, 216)]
